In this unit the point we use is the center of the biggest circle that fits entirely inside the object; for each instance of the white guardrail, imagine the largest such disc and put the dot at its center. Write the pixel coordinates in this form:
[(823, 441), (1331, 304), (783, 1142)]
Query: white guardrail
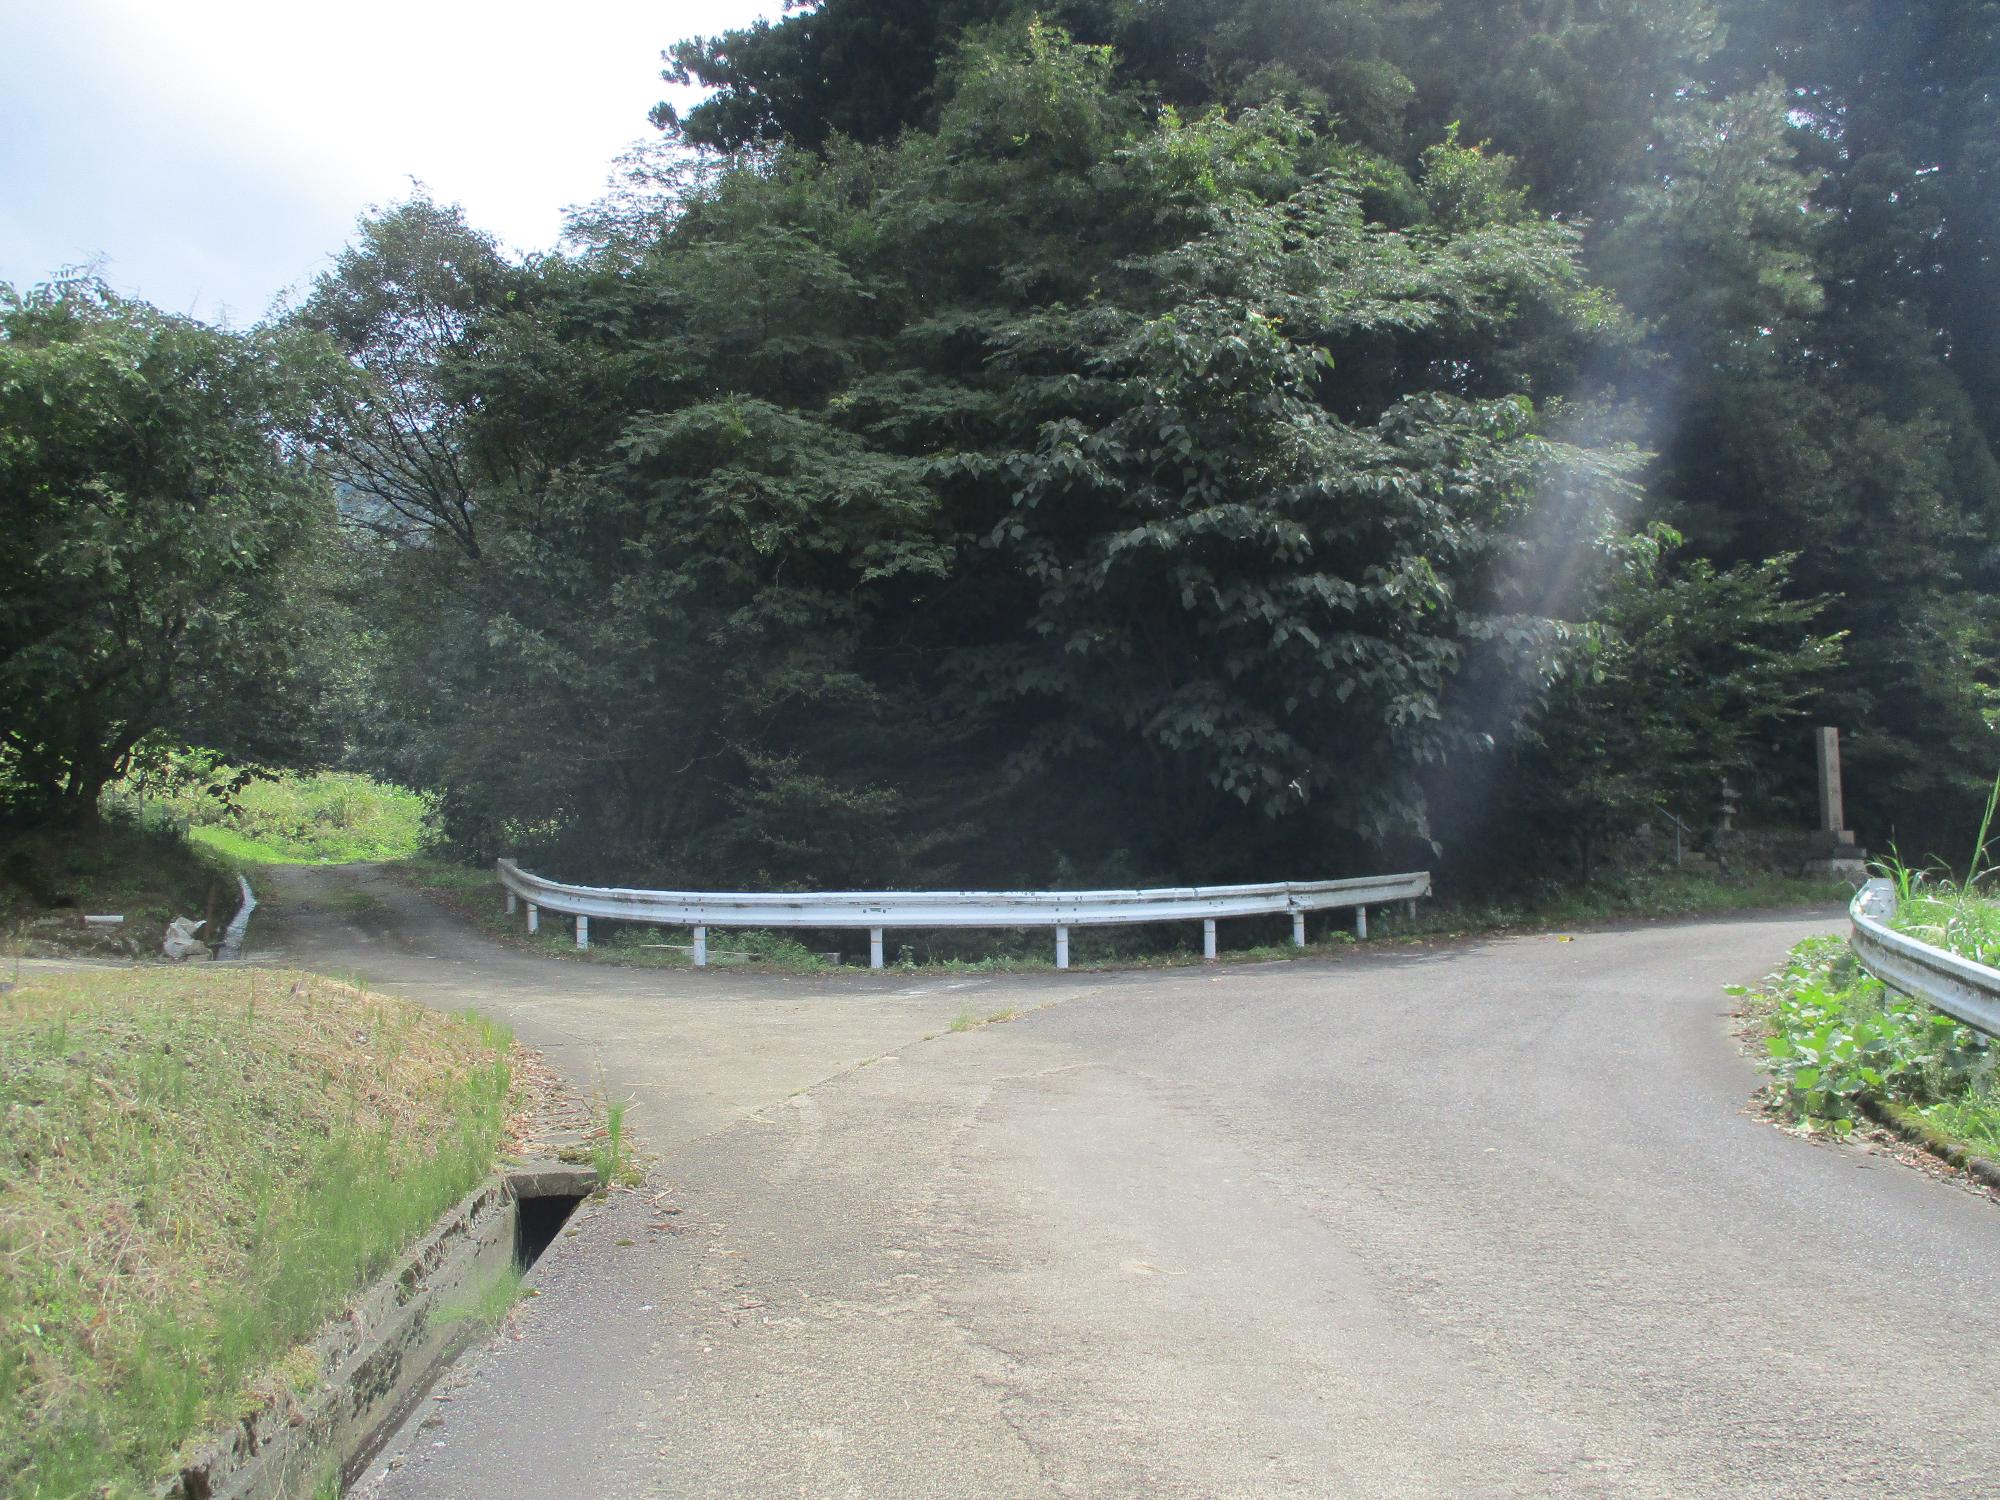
[(1957, 986), (878, 910)]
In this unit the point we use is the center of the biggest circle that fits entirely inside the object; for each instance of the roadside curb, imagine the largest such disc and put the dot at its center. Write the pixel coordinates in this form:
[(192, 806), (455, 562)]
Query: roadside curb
[(379, 1357), (1913, 1128)]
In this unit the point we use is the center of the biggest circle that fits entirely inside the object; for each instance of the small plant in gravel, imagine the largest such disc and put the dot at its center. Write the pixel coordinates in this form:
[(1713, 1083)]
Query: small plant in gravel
[(610, 1156)]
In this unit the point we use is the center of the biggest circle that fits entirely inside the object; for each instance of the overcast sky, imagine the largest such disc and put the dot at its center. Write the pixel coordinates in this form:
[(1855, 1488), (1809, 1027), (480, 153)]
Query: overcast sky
[(218, 152)]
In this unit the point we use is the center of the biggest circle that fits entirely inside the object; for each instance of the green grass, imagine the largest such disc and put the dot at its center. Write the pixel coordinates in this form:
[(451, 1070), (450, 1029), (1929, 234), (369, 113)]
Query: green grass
[(200, 1167), (1966, 923), (1835, 1037), (970, 1020), (320, 817), (609, 1155), (1959, 916)]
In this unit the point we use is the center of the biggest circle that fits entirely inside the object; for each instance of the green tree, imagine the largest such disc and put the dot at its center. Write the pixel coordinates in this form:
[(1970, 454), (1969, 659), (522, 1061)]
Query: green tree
[(402, 304), (158, 526), (1681, 676), (1115, 488)]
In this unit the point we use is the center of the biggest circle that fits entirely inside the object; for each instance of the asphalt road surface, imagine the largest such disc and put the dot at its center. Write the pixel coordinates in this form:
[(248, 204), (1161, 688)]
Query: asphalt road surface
[(1479, 1219)]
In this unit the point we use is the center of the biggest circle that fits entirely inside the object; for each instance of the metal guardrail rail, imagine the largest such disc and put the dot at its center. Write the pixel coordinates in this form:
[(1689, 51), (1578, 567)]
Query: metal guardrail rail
[(1950, 983), (879, 910)]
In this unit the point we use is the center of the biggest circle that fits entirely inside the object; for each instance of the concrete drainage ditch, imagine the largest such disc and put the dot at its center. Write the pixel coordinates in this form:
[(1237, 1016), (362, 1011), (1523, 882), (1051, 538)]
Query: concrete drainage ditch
[(397, 1338)]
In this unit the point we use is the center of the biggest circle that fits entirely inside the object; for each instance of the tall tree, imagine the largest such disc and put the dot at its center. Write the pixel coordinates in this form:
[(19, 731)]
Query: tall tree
[(402, 303), (1115, 484), (156, 519)]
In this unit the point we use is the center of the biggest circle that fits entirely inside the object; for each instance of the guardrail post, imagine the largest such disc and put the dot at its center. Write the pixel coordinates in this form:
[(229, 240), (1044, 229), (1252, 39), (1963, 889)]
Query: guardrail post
[(874, 947), (1062, 947), (701, 947), (511, 900), (1298, 929), (583, 932), (1208, 938), (1413, 908), (534, 918), (1360, 924)]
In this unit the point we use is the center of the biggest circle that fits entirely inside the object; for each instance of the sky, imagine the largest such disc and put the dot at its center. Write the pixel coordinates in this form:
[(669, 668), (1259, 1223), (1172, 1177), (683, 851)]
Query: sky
[(217, 153)]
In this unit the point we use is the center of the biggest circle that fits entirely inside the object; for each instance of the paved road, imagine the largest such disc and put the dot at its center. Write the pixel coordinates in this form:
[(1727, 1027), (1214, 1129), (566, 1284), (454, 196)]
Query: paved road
[(1478, 1220)]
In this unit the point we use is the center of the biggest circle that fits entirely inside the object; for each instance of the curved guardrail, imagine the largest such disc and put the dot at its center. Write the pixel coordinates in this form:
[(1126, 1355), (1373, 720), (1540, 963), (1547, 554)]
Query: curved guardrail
[(879, 910), (1950, 983)]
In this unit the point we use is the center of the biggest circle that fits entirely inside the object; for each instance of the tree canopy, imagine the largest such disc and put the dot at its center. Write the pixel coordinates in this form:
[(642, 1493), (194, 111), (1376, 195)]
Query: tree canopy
[(1053, 450), (157, 521), (1105, 441)]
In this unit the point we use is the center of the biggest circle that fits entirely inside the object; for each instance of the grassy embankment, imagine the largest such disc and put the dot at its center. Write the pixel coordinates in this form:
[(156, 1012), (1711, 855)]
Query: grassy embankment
[(146, 872), (200, 1166), (1650, 895), (1838, 1040)]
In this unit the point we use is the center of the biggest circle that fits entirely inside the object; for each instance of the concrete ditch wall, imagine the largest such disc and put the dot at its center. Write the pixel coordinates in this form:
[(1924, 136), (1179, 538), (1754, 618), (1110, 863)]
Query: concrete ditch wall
[(379, 1359)]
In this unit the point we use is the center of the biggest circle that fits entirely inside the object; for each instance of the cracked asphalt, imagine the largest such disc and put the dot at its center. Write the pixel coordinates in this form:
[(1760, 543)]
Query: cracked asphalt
[(1468, 1220)]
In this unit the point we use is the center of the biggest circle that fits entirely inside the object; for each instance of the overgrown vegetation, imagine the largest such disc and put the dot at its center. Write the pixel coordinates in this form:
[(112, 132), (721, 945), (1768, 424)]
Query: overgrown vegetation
[(275, 817), (1088, 444), (199, 1167), (173, 836), (159, 545), (1960, 915), (1837, 1038)]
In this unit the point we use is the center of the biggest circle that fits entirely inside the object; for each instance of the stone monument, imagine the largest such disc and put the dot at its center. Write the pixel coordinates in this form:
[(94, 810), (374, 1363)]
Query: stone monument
[(1836, 854)]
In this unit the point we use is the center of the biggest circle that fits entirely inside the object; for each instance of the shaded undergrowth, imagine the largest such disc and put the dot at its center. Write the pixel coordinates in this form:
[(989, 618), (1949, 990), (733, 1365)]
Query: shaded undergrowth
[(142, 870)]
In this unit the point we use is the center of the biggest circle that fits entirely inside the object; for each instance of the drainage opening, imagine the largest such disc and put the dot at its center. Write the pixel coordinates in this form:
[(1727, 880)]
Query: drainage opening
[(537, 1222)]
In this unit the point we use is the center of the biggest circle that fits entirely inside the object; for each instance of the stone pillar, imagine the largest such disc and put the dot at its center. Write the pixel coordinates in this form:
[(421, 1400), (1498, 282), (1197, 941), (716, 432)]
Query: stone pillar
[(1832, 814), (1842, 858)]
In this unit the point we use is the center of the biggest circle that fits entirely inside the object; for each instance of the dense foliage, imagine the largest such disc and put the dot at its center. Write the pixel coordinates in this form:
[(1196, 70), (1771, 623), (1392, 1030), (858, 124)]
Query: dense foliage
[(1792, 204), (1201, 439), (156, 540), (1839, 1043)]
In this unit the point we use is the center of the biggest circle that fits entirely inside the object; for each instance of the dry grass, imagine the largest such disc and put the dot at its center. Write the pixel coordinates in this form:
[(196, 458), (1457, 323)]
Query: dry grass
[(197, 1167)]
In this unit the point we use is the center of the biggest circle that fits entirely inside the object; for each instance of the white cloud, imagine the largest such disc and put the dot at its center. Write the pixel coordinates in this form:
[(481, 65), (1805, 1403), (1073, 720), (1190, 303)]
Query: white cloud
[(218, 151)]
